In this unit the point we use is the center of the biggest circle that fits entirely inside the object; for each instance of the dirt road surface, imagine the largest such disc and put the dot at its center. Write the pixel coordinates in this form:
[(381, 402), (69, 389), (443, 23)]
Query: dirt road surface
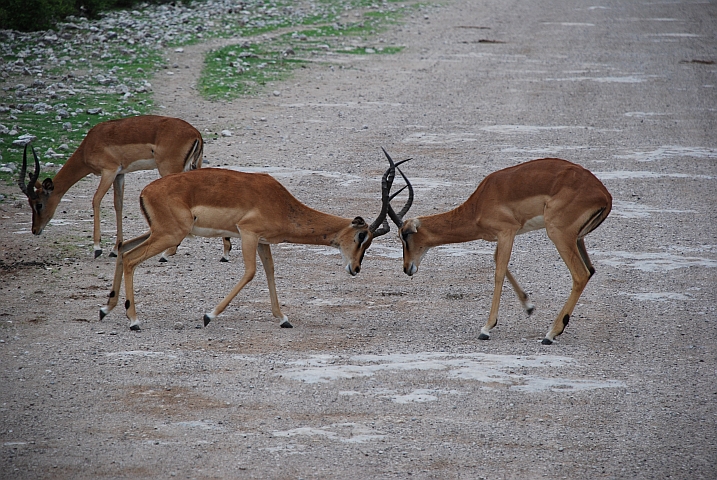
[(383, 376)]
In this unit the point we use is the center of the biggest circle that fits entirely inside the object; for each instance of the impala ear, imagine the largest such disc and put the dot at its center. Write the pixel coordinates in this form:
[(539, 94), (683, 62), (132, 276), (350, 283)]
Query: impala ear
[(409, 227), (358, 222), (47, 185)]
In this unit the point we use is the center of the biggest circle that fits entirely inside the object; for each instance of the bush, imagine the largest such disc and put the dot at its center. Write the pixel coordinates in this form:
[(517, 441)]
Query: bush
[(29, 15)]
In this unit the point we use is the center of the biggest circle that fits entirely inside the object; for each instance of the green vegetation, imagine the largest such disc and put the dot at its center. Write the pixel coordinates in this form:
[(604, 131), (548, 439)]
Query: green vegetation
[(57, 84)]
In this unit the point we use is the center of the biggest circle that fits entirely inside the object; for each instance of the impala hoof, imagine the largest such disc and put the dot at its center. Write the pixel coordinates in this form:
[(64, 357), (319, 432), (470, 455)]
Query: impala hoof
[(98, 253), (483, 336), (547, 341), (207, 319), (135, 327), (224, 259), (162, 259), (103, 314), (285, 324), (530, 309), (112, 254)]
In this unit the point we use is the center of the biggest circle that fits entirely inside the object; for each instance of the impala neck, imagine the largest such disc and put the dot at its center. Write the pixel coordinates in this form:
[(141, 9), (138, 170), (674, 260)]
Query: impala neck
[(454, 226), (71, 172), (311, 227)]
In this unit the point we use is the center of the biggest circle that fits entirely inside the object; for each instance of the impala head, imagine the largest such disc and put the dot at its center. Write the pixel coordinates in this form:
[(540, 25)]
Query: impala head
[(414, 248), (353, 241), (38, 195)]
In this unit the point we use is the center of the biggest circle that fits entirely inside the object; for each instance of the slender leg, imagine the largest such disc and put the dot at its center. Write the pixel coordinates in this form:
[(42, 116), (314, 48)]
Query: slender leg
[(502, 257), (117, 281), (168, 253), (131, 259), (249, 243), (571, 255), (226, 241), (268, 261), (106, 181), (119, 203), (522, 296)]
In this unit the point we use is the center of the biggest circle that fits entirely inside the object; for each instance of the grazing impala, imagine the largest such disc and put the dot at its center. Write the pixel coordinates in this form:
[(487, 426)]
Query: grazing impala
[(111, 149), (214, 202), (565, 199)]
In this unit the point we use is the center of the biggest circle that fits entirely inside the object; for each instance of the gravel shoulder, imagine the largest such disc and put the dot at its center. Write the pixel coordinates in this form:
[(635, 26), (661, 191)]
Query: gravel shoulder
[(382, 375)]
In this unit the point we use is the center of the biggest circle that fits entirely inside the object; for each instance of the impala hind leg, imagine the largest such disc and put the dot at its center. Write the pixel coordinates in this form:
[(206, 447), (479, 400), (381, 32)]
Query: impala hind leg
[(522, 296), (573, 253), (226, 242), (268, 261), (249, 244), (119, 203), (502, 257), (117, 281), (168, 253)]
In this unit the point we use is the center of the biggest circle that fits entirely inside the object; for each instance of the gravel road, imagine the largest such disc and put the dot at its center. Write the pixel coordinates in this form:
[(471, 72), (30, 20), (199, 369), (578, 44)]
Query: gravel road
[(383, 375)]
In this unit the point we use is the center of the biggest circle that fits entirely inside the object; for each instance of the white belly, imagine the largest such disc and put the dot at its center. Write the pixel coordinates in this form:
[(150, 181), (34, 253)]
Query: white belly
[(535, 223), (213, 232), (148, 164)]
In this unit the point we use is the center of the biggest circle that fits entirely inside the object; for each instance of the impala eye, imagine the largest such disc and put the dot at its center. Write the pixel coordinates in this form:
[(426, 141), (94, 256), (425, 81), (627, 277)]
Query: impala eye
[(361, 237), (38, 207)]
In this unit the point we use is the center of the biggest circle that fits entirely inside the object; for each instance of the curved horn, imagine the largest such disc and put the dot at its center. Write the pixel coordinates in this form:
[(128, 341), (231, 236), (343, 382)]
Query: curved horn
[(386, 184), (398, 217), (29, 188)]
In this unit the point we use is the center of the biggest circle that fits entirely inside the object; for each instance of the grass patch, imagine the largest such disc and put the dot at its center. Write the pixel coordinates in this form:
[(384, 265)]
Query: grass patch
[(338, 28), (233, 71), (54, 81)]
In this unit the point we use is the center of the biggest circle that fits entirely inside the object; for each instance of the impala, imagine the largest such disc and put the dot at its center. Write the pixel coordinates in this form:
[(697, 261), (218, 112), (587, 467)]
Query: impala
[(214, 202), (111, 149), (562, 197)]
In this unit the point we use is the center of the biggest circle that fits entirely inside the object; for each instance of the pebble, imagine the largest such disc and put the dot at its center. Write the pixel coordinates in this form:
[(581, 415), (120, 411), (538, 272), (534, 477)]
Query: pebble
[(24, 140)]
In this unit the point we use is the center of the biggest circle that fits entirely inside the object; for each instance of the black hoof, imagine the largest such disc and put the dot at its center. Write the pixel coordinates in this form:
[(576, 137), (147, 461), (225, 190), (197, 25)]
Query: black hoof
[(207, 319), (286, 324), (530, 310), (223, 259), (102, 315), (98, 253), (135, 328), (547, 341), (483, 336), (113, 254), (162, 259)]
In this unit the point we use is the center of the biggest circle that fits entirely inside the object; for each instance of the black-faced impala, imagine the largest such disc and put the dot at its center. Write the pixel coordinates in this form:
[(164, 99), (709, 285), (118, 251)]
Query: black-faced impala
[(214, 202), (562, 197), (111, 149)]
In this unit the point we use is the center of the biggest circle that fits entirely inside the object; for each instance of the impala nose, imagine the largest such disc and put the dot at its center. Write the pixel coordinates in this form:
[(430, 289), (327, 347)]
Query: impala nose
[(351, 271), (410, 270)]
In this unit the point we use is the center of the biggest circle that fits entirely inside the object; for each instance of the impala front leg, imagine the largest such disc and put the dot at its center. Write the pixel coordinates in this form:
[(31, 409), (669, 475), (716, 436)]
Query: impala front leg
[(117, 280), (249, 244), (268, 261), (105, 182), (119, 203), (502, 257)]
